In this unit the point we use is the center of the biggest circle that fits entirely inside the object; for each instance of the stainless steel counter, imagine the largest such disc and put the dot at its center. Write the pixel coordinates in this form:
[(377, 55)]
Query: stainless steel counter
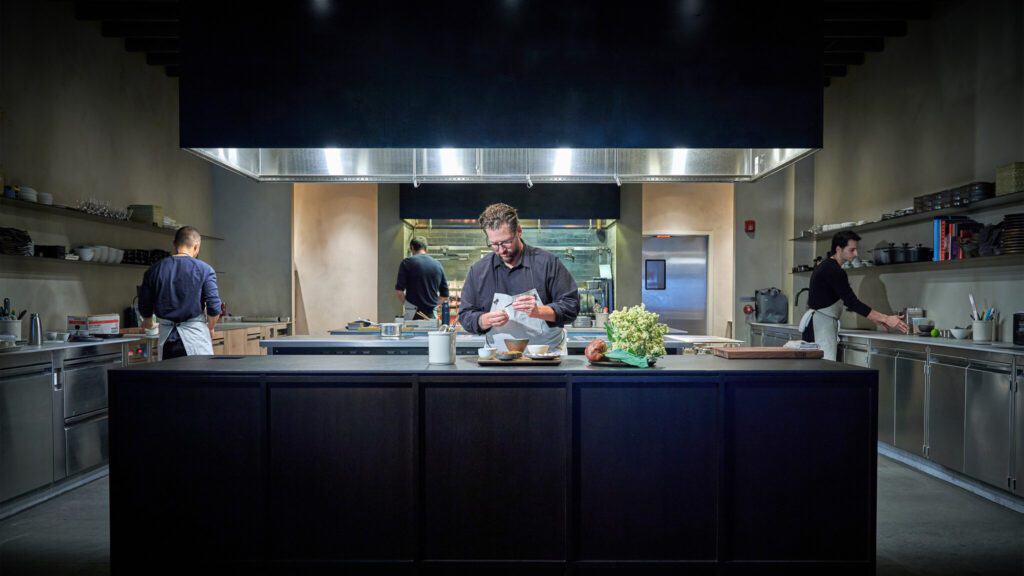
[(55, 346), (967, 344)]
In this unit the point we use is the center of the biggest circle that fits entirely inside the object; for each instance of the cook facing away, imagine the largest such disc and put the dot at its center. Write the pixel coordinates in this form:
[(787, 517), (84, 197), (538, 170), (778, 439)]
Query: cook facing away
[(513, 268), (421, 282), (830, 290), (178, 289)]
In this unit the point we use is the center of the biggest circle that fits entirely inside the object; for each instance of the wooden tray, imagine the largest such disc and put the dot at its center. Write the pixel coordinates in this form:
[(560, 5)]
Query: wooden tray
[(611, 363), (522, 361), (749, 353)]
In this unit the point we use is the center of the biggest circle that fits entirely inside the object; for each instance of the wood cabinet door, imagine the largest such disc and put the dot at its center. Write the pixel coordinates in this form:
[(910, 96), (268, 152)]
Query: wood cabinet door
[(234, 342)]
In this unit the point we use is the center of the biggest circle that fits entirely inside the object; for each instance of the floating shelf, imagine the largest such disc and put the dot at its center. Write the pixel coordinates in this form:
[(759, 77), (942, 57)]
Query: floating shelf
[(987, 204), (66, 212), (979, 262), (41, 260)]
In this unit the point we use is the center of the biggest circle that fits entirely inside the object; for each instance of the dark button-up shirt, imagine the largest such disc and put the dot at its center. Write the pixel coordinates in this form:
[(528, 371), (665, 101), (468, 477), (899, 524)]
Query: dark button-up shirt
[(537, 268), (177, 288)]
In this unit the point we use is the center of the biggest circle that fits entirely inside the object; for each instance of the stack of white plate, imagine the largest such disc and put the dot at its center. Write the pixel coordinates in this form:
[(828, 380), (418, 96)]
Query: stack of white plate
[(45, 198), (28, 194)]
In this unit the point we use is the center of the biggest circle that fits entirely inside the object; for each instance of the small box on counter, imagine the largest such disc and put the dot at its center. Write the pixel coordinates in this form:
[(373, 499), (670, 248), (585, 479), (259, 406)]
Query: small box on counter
[(94, 324)]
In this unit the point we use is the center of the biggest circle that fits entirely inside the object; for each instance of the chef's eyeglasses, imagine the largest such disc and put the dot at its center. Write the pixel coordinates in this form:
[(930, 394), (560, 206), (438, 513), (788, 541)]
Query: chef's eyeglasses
[(503, 244)]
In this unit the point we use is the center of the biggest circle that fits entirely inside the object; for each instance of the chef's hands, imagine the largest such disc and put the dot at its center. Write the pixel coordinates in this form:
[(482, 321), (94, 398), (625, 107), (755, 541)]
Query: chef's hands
[(494, 319), (527, 305), (895, 322)]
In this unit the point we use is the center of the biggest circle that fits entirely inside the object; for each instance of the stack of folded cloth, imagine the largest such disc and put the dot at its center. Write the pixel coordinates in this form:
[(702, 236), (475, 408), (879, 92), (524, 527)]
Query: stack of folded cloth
[(801, 345), (15, 242)]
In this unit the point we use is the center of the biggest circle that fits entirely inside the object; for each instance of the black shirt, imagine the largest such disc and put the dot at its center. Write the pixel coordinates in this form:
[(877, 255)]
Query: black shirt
[(422, 278), (178, 288), (830, 283), (537, 268)]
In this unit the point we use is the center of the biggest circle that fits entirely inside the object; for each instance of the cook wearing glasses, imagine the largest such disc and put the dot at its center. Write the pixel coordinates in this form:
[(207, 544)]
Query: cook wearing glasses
[(515, 268)]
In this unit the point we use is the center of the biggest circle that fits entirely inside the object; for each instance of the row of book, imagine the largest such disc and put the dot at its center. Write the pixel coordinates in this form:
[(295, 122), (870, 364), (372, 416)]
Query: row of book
[(951, 235)]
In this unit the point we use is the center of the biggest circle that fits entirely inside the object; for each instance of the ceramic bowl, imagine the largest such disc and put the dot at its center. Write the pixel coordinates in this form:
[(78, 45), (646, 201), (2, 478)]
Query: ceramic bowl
[(509, 355), (537, 349), (516, 345), (101, 253), (485, 353), (117, 255), (960, 333), (86, 253)]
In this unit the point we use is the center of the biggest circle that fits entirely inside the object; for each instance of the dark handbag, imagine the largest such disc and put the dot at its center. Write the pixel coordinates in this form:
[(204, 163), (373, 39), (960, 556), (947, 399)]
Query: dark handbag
[(771, 306)]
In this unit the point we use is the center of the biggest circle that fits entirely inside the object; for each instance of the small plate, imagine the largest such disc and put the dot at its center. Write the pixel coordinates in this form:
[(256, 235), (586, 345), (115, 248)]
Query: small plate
[(548, 356)]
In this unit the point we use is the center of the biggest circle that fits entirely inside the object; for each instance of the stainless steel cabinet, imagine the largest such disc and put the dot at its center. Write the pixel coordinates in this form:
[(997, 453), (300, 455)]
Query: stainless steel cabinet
[(909, 403), (86, 444), (856, 356), (26, 430), (756, 336), (987, 430), (886, 366), (946, 413), (1018, 476)]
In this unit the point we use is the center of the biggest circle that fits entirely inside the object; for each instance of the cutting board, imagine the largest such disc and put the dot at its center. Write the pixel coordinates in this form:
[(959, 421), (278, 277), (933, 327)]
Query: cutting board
[(519, 362), (765, 352)]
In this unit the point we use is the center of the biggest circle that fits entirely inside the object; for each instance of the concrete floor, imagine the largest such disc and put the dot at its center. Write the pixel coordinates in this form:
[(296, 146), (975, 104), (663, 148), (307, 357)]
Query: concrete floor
[(925, 527)]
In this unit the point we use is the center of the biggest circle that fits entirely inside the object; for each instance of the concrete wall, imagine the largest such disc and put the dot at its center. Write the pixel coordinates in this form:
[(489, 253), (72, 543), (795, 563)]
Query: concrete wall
[(941, 107), (703, 209), (629, 247), (82, 118), (760, 258), (255, 220), (335, 251)]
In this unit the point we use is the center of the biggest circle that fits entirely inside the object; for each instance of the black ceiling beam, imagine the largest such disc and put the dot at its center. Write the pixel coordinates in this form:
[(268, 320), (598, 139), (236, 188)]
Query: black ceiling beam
[(854, 45), (173, 71), (864, 29), (152, 45), (141, 29), (128, 11), (862, 11), (163, 59), (835, 71), (844, 58)]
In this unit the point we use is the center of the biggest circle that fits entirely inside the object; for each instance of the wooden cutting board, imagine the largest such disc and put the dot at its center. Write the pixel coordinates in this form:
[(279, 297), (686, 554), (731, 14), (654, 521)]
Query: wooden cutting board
[(766, 352)]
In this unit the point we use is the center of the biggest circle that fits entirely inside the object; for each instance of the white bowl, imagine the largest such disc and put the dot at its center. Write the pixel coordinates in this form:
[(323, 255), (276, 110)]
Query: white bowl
[(960, 333), (537, 349), (485, 353), (45, 198), (102, 254), (117, 255), (86, 253)]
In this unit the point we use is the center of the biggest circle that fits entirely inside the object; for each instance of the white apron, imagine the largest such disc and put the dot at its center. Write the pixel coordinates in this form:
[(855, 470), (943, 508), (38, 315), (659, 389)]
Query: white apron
[(826, 327), (194, 334), (520, 326)]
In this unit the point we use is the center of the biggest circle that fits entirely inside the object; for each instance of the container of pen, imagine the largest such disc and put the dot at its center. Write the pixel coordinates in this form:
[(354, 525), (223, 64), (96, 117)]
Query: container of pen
[(984, 330)]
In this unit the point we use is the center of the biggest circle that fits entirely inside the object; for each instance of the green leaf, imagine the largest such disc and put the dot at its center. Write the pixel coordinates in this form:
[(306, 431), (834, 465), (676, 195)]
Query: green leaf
[(628, 358), (608, 331)]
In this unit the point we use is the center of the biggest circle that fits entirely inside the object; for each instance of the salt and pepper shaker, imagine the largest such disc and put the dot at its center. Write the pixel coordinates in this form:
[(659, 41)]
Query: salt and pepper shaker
[(35, 335)]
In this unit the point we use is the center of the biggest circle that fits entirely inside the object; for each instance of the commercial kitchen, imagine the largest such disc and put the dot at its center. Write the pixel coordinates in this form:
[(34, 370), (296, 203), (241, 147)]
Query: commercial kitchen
[(511, 286)]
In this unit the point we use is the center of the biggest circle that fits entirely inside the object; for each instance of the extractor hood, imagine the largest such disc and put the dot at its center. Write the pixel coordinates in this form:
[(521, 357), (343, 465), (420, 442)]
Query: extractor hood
[(506, 165), (502, 91)]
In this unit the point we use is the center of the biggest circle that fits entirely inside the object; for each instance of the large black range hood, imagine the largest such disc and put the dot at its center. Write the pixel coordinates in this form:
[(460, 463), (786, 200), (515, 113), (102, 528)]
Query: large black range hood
[(502, 90)]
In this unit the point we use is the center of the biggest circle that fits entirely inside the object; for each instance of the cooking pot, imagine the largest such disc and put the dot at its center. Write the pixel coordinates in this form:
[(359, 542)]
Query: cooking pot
[(919, 253), (883, 254), (901, 254)]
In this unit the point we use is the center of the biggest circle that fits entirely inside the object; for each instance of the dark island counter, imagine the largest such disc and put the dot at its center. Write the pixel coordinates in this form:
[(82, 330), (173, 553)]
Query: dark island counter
[(349, 464)]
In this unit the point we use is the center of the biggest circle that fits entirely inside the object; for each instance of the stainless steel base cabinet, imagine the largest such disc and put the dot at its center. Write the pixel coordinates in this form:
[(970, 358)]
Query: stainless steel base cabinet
[(946, 413), (886, 366), (26, 430), (1018, 476), (909, 404), (86, 443), (987, 432)]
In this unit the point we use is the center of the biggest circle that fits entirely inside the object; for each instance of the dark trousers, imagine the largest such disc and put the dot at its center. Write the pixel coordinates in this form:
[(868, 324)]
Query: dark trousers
[(174, 349)]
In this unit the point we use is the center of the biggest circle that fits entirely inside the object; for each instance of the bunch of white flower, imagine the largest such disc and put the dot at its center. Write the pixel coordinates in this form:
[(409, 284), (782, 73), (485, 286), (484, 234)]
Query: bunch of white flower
[(637, 331)]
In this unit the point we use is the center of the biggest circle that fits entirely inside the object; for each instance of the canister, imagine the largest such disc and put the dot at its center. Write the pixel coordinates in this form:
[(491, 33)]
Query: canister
[(441, 346)]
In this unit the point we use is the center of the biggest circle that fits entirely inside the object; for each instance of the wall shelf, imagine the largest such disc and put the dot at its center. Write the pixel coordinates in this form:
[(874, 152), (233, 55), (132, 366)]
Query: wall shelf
[(1016, 198), (66, 212), (979, 262), (13, 258)]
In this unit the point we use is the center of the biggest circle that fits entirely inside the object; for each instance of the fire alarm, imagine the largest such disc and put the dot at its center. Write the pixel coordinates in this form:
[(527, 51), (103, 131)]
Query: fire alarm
[(749, 226), (748, 309)]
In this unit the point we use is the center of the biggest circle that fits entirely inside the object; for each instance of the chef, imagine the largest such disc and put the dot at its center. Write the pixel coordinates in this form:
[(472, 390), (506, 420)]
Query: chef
[(830, 291), (421, 282), (178, 289), (544, 295)]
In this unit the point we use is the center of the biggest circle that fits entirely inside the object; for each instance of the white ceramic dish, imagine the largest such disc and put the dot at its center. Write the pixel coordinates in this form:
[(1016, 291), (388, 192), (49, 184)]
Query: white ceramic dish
[(486, 353), (551, 356), (960, 333), (86, 253), (537, 349)]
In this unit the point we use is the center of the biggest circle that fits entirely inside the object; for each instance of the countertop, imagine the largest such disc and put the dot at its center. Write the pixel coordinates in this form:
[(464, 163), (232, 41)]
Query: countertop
[(467, 364), (54, 346), (373, 340), (967, 344), (242, 325)]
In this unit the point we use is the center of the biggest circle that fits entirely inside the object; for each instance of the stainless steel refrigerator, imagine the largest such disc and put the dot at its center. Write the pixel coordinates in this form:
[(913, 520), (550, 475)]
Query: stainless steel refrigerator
[(675, 280)]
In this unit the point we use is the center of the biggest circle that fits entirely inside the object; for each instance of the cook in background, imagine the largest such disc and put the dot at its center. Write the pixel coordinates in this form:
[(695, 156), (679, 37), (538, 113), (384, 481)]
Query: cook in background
[(830, 290), (177, 289), (421, 281), (515, 268)]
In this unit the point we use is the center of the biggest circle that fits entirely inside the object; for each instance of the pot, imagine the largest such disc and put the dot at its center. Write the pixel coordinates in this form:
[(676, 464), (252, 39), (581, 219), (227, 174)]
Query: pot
[(919, 253), (883, 254), (901, 254)]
